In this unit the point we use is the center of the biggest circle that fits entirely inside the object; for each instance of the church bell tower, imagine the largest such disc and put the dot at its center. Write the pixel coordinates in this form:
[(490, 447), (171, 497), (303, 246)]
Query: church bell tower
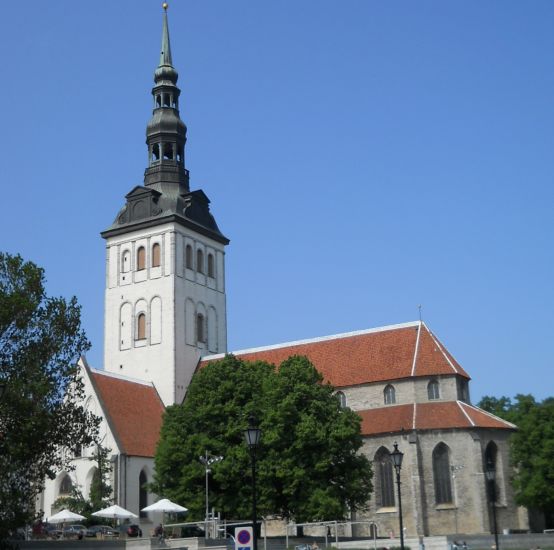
[(165, 304)]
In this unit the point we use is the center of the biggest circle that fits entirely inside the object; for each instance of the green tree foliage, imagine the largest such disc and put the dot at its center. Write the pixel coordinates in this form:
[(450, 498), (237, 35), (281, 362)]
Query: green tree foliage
[(40, 413), (308, 466), (532, 448)]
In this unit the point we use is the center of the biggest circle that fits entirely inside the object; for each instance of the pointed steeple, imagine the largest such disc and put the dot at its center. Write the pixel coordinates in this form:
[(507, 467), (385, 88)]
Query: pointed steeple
[(166, 133), (165, 56)]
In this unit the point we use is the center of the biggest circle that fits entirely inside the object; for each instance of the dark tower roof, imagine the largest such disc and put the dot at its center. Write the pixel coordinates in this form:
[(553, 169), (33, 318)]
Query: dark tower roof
[(166, 195)]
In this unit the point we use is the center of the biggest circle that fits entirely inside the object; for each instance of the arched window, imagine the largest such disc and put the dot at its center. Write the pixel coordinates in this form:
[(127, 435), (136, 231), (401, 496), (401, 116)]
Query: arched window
[(200, 261), (66, 486), (126, 261), (141, 326), (143, 494), (200, 331), (342, 398), (384, 480), (390, 395), (188, 257), (491, 461), (442, 474), (433, 390), (141, 258), (156, 259), (211, 268)]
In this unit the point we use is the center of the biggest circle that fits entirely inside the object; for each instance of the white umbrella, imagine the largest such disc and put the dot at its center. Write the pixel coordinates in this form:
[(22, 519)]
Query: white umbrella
[(165, 505), (115, 512), (64, 516)]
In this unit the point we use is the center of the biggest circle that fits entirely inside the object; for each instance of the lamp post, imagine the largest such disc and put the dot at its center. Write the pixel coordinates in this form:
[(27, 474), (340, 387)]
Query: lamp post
[(252, 436), (397, 457), (208, 460), (490, 473)]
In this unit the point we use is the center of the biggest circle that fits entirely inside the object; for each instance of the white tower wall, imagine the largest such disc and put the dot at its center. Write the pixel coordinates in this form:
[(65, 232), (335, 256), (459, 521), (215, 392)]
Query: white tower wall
[(172, 297)]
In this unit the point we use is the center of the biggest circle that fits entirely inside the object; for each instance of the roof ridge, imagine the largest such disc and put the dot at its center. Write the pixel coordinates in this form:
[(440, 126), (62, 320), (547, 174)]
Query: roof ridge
[(488, 414), (122, 377), (416, 350), (314, 340), (459, 403), (436, 340)]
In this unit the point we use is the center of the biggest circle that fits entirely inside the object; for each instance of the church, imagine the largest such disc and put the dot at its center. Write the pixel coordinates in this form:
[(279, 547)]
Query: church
[(165, 316)]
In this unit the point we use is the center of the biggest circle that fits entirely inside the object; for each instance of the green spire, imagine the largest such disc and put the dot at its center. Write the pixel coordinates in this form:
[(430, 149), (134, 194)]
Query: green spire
[(165, 55), (165, 71)]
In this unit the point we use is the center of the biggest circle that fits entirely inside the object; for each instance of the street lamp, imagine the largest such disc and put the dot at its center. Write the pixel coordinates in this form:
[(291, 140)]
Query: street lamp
[(252, 436), (397, 457), (208, 460), (490, 473)]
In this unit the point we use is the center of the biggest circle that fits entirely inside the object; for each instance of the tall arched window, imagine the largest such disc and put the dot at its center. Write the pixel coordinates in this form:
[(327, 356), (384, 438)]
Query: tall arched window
[(384, 481), (156, 255), (141, 326), (491, 461), (200, 261), (211, 268), (200, 329), (66, 486), (342, 398), (433, 390), (188, 257), (141, 258), (143, 494), (389, 394), (442, 474)]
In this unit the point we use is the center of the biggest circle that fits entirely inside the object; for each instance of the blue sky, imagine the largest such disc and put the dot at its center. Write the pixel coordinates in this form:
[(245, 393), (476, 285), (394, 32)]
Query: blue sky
[(363, 157)]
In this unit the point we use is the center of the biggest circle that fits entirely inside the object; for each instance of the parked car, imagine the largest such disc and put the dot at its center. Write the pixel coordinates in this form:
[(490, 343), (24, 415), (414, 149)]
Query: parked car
[(74, 531), (134, 531), (105, 530)]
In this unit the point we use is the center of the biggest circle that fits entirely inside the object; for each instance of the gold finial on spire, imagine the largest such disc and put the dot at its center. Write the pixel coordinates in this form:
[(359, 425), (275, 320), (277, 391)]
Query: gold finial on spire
[(165, 5)]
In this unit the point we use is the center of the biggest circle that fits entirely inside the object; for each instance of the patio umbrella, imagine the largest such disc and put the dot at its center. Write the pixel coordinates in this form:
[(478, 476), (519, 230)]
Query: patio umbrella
[(64, 516), (114, 512), (164, 505)]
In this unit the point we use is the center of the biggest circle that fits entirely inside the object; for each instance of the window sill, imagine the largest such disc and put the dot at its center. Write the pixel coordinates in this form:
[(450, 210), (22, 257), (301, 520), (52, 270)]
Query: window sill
[(446, 507), (387, 510)]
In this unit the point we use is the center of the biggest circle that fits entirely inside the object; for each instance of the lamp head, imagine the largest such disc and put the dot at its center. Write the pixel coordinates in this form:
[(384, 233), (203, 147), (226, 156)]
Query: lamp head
[(252, 434), (397, 457)]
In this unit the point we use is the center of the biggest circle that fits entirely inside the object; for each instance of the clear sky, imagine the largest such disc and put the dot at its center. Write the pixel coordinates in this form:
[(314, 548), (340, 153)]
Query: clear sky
[(363, 157)]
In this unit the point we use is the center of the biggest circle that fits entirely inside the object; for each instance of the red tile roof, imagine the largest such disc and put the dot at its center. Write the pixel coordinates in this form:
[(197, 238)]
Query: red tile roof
[(133, 410), (375, 355), (428, 416)]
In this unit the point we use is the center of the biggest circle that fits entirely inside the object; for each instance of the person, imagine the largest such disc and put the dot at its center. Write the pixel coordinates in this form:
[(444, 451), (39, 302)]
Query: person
[(464, 545), (315, 546), (159, 531)]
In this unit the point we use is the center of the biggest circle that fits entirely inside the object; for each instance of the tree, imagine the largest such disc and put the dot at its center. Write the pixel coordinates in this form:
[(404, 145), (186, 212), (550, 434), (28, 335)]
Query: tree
[(531, 449), (41, 412), (308, 464)]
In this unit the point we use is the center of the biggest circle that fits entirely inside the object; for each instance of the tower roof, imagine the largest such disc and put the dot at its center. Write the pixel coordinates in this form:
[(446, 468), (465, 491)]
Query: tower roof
[(166, 196)]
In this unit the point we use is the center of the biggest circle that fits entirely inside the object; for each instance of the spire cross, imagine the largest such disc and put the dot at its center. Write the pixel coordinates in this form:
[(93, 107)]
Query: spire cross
[(165, 5)]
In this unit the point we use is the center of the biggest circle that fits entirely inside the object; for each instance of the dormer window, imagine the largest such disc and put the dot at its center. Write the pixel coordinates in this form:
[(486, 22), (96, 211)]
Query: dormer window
[(389, 394), (141, 258), (342, 399), (433, 390)]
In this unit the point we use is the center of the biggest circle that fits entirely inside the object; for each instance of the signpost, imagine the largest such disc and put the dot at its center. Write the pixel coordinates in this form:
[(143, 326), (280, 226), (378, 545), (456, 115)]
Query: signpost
[(243, 538)]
